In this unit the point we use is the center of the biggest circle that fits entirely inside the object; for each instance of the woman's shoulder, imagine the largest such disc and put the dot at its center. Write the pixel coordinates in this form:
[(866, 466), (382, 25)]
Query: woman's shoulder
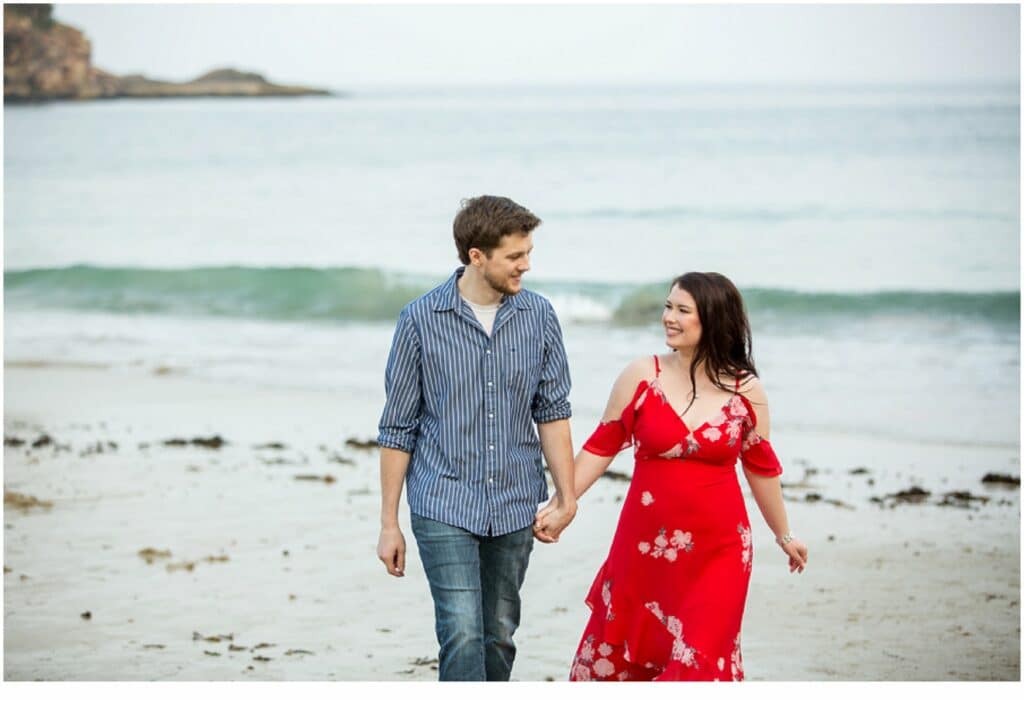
[(644, 367), (751, 387)]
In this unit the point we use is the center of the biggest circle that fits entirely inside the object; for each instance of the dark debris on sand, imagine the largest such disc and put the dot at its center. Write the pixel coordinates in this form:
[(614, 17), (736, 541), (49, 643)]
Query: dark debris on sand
[(995, 478), (962, 499), (150, 555), (98, 448), (196, 635), (812, 497), (914, 495), (362, 445), (212, 443), (326, 479), (24, 502)]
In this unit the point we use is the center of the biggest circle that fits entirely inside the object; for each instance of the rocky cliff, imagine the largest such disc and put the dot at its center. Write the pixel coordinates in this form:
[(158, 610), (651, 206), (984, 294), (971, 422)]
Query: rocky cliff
[(46, 60)]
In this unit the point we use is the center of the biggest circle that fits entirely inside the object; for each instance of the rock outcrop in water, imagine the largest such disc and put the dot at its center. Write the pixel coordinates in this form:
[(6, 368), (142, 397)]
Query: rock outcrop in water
[(47, 60)]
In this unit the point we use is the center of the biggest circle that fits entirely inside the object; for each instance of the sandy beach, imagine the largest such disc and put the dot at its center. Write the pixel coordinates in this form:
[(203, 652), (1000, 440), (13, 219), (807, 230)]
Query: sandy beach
[(257, 550)]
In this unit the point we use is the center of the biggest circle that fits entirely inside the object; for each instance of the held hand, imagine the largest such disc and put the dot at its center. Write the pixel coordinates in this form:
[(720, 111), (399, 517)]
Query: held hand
[(797, 553), (541, 520), (552, 520), (391, 550)]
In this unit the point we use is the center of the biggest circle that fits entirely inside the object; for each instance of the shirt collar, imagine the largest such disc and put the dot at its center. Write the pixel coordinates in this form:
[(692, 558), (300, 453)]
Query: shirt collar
[(448, 296)]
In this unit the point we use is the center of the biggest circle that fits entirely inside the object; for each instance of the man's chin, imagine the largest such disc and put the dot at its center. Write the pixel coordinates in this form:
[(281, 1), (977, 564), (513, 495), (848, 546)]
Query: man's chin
[(509, 289)]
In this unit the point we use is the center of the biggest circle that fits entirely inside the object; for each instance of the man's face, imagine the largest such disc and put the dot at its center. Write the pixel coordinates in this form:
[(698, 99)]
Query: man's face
[(503, 269)]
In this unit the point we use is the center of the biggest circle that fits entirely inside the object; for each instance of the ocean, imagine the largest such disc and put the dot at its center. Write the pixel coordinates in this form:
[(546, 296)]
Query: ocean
[(874, 232)]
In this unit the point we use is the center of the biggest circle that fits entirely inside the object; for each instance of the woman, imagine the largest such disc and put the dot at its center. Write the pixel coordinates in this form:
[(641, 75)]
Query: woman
[(668, 602)]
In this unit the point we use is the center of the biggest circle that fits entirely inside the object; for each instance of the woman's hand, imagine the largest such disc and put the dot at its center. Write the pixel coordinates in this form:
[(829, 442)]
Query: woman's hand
[(552, 520), (797, 552)]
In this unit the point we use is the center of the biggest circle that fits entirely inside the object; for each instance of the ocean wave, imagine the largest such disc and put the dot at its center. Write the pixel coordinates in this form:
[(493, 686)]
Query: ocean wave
[(362, 294), (645, 303), (785, 214)]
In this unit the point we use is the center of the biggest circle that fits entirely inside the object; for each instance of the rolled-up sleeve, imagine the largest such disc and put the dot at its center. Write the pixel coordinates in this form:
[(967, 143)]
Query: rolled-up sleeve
[(399, 421), (551, 401)]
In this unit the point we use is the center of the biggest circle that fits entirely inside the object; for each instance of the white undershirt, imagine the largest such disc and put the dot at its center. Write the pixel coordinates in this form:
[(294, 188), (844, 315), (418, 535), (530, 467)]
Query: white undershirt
[(484, 314)]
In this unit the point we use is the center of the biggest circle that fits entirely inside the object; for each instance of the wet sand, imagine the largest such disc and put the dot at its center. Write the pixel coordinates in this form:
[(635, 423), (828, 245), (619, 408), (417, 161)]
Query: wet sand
[(199, 531)]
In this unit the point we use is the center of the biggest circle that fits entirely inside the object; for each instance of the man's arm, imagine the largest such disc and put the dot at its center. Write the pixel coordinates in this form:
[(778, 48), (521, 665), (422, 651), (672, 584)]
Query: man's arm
[(399, 423), (551, 412), (391, 544), (556, 442)]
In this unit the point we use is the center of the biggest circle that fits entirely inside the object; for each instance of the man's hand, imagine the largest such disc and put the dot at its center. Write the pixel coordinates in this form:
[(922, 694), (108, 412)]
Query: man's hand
[(552, 520), (391, 550)]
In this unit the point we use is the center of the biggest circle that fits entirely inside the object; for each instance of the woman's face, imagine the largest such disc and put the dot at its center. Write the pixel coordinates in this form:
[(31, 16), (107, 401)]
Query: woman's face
[(680, 319)]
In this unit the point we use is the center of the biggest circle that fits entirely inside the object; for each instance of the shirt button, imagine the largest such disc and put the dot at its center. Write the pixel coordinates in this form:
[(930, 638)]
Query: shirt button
[(491, 480), (490, 416), (491, 447), (488, 352), (489, 384)]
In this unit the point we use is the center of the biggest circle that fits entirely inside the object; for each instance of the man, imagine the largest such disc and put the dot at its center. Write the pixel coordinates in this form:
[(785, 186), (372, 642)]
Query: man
[(474, 364)]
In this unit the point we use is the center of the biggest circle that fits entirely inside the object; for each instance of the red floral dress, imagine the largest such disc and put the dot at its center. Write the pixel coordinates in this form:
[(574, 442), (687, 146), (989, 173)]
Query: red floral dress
[(668, 602)]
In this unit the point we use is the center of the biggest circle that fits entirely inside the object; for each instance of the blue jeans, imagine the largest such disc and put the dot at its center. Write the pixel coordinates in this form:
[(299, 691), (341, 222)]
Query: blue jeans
[(475, 583)]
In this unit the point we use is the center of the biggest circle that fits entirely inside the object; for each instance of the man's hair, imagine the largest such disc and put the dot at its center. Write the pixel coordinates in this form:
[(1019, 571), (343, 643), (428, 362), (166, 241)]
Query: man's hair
[(483, 220)]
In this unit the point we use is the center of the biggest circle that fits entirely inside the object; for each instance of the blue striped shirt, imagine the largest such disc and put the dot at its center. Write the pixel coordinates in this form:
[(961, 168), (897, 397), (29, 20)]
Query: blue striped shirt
[(464, 405)]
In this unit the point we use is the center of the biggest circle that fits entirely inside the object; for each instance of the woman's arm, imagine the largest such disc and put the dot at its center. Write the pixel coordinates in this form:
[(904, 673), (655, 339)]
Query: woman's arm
[(767, 490), (590, 466)]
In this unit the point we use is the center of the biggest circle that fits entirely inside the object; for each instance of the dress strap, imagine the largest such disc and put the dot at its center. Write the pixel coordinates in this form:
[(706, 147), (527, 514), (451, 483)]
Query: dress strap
[(657, 367), (737, 388)]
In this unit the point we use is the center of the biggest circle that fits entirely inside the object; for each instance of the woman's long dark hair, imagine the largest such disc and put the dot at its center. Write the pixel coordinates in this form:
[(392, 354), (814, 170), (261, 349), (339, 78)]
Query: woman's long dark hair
[(725, 346)]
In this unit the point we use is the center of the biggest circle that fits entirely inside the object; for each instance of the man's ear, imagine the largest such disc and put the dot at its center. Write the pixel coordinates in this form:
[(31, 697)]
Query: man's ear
[(476, 256)]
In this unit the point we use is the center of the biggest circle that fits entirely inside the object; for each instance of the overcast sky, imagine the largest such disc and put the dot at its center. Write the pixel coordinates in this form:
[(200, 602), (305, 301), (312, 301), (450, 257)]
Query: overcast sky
[(340, 46)]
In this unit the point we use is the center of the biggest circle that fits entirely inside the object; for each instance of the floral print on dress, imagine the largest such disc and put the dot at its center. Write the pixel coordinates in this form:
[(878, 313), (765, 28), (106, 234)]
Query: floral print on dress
[(675, 451), (603, 667), (736, 661), (748, 546), (734, 429), (750, 439), (661, 548), (584, 659), (737, 407), (646, 498), (678, 451), (606, 598), (692, 446), (587, 665), (681, 652), (712, 433)]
